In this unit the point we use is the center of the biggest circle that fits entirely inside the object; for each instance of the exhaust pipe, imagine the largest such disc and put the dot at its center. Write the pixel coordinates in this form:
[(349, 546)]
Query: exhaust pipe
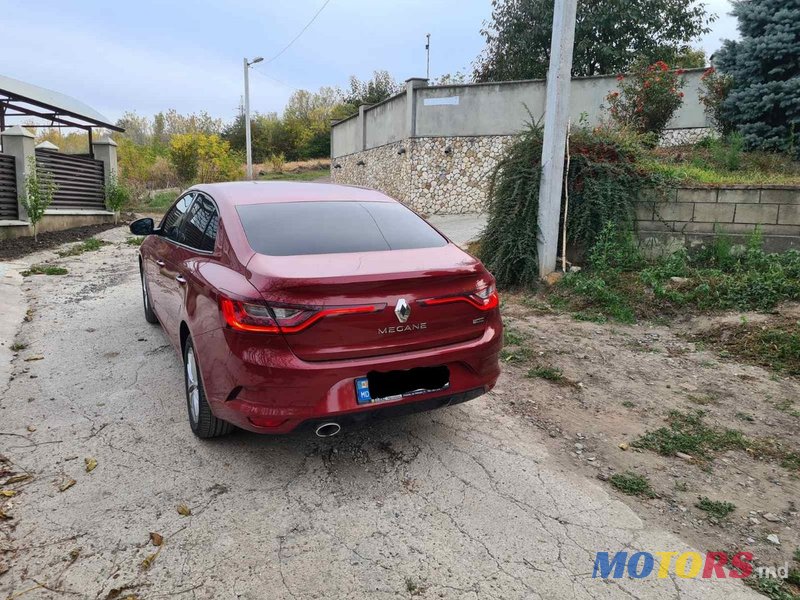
[(328, 430)]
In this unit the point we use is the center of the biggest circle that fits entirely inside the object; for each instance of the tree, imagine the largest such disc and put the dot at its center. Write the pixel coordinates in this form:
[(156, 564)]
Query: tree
[(764, 100), (381, 86), (609, 36), (204, 158), (37, 195)]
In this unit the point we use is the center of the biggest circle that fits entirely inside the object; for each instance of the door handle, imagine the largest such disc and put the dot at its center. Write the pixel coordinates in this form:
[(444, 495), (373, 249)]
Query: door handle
[(160, 263), (180, 279)]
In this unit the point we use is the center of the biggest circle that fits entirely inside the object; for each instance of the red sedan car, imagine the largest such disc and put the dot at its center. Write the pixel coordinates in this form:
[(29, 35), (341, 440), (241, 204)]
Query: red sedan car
[(311, 304)]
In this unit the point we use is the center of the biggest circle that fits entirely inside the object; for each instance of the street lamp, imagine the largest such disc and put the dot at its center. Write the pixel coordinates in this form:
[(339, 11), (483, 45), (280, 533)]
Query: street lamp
[(247, 141)]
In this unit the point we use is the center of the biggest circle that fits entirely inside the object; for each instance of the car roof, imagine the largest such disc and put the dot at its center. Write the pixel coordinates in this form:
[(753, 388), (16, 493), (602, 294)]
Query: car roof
[(263, 192)]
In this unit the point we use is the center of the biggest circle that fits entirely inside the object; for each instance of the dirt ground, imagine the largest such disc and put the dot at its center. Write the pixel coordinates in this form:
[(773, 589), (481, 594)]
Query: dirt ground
[(16, 248), (620, 381), (498, 498)]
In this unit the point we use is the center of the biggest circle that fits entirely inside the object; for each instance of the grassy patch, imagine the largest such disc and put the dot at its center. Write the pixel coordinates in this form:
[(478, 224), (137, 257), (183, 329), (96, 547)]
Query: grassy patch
[(44, 270), (549, 373), (689, 434), (89, 245), (512, 336), (716, 509), (619, 285), (135, 241), (17, 346), (310, 175), (774, 589), (632, 484), (775, 346), (516, 355)]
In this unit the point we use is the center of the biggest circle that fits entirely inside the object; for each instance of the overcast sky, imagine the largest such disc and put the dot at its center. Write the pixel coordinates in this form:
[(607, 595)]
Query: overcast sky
[(149, 56)]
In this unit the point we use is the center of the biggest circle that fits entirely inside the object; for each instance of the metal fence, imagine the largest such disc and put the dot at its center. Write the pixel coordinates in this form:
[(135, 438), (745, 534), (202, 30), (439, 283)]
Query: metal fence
[(8, 187), (80, 180)]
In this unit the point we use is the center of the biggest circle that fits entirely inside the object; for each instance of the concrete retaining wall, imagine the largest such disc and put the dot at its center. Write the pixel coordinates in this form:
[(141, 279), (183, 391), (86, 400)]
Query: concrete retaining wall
[(691, 216), (486, 109)]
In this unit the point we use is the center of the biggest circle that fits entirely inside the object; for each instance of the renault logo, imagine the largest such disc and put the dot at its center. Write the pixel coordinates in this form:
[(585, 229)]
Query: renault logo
[(402, 310)]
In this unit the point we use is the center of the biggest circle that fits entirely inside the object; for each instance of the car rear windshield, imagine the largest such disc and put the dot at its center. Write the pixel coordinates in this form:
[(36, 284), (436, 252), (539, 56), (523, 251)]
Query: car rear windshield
[(294, 228)]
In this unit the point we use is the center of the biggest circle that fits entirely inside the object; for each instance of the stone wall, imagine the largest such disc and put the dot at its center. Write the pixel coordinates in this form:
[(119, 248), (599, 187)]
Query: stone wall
[(690, 216), (442, 175)]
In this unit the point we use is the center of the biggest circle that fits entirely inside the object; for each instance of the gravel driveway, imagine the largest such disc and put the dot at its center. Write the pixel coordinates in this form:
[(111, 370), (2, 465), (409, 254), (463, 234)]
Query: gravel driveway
[(461, 503)]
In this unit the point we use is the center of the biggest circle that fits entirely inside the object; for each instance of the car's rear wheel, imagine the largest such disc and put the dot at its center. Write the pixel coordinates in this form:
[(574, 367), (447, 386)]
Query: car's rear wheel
[(203, 422), (149, 314)]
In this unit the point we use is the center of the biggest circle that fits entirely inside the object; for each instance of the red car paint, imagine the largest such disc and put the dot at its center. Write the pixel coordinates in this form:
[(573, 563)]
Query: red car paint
[(271, 380)]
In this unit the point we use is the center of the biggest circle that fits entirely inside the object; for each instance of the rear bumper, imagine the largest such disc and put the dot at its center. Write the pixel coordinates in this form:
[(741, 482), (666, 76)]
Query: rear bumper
[(258, 378)]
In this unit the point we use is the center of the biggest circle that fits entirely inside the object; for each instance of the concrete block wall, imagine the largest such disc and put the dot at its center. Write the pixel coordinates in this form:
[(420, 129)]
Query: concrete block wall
[(692, 215)]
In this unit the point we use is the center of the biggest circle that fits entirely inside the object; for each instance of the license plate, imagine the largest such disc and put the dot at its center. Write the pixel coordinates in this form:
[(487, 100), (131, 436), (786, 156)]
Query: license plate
[(362, 391)]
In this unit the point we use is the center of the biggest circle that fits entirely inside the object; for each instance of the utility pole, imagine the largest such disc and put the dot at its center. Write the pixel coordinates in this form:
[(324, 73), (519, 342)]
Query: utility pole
[(428, 53), (247, 141), (556, 119)]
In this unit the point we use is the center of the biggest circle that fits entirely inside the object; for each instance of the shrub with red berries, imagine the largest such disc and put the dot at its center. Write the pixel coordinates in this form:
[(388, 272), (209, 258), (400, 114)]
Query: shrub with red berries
[(647, 97)]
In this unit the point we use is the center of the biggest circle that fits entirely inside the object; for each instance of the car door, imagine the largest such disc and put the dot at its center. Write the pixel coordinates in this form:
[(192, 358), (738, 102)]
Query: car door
[(158, 264), (194, 243)]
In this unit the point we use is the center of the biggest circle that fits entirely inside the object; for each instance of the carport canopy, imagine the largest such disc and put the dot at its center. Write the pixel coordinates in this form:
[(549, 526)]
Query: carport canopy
[(25, 100)]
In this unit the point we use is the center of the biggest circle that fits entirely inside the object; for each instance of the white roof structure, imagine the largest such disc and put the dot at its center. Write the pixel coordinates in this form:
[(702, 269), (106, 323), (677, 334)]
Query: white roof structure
[(20, 99)]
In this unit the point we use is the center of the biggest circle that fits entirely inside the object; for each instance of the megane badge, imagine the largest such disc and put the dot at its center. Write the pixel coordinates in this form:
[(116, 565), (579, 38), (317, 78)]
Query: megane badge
[(402, 310)]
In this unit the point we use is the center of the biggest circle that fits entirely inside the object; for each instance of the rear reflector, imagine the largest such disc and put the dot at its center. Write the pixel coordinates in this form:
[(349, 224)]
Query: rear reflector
[(267, 421)]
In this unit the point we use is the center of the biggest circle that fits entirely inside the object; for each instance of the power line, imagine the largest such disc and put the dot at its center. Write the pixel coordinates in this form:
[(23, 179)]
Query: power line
[(283, 83), (302, 31)]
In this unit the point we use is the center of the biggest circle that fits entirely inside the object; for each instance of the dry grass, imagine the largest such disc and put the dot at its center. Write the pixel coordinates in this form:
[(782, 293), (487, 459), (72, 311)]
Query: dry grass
[(298, 166)]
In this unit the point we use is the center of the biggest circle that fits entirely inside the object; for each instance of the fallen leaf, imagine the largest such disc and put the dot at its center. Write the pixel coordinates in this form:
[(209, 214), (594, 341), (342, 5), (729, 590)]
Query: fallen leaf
[(8, 493), (66, 485), (19, 478), (74, 554), (31, 428), (184, 510), (150, 559), (34, 357), (4, 516), (91, 463), (156, 538)]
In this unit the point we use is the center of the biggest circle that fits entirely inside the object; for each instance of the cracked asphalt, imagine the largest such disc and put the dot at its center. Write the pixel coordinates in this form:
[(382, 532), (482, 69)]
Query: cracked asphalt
[(461, 503)]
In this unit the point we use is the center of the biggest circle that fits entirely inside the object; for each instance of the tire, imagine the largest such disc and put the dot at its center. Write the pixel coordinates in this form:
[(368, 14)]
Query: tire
[(202, 421), (149, 314)]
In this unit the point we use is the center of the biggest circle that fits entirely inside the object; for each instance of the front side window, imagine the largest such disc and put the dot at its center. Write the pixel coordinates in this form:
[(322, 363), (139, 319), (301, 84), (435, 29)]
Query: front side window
[(172, 220), (199, 227)]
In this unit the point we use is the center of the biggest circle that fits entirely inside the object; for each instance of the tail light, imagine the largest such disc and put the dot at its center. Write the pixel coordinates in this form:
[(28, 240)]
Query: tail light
[(483, 298), (271, 318)]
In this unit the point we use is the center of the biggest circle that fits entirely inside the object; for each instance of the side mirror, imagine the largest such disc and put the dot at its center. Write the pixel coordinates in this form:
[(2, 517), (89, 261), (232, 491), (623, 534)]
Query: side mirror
[(142, 226)]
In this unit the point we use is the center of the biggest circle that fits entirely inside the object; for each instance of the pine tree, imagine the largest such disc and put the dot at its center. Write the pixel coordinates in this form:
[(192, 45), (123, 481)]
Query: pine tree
[(764, 103)]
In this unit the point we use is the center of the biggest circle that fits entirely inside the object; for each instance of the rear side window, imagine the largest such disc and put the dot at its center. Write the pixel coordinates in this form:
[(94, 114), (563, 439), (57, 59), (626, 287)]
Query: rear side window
[(296, 228), (199, 228)]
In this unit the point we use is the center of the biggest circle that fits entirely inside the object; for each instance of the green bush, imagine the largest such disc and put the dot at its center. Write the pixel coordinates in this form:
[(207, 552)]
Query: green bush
[(117, 195), (604, 183)]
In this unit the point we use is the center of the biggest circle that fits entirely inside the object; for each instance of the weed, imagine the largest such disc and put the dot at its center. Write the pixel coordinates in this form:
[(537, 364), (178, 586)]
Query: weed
[(512, 336), (687, 433), (17, 346), (774, 589), (628, 404), (775, 346), (796, 555), (716, 509), (745, 417), (791, 461), (413, 588), (517, 355), (549, 373), (633, 484), (681, 486), (44, 270), (590, 317), (703, 400), (86, 246), (135, 241)]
